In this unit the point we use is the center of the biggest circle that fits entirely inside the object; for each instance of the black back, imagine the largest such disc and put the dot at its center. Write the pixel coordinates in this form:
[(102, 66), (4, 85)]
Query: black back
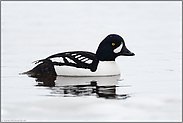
[(80, 59)]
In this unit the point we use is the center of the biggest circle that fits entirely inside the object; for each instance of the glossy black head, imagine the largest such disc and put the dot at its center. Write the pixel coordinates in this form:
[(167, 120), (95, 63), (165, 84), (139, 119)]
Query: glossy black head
[(111, 47)]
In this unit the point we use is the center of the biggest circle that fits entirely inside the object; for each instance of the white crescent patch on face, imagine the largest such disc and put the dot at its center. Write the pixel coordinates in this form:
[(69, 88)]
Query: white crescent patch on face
[(118, 49)]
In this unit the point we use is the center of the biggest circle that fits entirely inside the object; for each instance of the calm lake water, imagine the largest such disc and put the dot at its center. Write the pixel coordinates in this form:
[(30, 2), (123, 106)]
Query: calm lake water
[(150, 85)]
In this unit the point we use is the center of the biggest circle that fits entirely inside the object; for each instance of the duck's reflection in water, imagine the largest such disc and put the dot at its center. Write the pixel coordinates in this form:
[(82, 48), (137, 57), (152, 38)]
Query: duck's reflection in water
[(101, 87)]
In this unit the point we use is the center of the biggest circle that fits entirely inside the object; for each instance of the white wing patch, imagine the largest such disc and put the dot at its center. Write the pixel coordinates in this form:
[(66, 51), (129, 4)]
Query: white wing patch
[(77, 56), (57, 59), (73, 54), (70, 60), (84, 59), (89, 61), (81, 58), (118, 49)]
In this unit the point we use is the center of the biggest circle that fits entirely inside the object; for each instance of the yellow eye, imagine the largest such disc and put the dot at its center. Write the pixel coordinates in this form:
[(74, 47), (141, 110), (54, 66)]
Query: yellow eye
[(113, 44)]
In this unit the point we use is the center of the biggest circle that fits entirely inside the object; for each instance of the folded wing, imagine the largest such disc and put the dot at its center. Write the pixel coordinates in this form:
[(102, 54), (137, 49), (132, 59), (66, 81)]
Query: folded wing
[(79, 59)]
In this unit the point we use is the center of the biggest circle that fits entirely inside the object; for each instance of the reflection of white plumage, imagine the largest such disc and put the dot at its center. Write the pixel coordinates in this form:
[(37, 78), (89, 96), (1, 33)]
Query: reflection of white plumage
[(101, 87), (101, 81)]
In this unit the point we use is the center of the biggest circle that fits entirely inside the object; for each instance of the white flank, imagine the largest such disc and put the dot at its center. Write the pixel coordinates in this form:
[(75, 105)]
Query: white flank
[(105, 68), (118, 49)]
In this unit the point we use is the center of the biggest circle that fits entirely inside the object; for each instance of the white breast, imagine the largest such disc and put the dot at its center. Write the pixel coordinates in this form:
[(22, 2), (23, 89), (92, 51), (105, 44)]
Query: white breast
[(105, 68)]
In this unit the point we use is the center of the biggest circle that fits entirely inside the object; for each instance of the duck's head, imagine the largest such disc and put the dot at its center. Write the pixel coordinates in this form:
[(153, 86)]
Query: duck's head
[(111, 47)]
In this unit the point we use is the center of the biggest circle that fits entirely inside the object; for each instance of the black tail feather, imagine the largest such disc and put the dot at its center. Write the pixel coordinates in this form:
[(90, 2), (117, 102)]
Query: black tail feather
[(45, 68)]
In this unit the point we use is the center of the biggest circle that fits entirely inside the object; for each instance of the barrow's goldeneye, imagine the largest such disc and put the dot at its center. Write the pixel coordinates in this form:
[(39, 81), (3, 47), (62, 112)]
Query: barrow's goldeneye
[(83, 63)]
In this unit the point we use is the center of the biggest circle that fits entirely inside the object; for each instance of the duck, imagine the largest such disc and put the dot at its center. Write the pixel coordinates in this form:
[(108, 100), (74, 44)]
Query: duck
[(85, 63)]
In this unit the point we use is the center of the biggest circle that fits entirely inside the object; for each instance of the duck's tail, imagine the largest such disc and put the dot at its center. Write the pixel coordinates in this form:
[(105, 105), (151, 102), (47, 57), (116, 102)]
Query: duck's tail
[(45, 68)]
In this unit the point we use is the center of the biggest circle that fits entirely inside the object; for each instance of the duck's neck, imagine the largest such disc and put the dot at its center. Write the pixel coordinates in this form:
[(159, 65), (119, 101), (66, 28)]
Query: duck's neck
[(105, 56)]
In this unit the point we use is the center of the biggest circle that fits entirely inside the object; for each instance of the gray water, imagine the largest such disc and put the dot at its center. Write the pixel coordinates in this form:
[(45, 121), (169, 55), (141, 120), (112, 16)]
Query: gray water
[(149, 88)]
